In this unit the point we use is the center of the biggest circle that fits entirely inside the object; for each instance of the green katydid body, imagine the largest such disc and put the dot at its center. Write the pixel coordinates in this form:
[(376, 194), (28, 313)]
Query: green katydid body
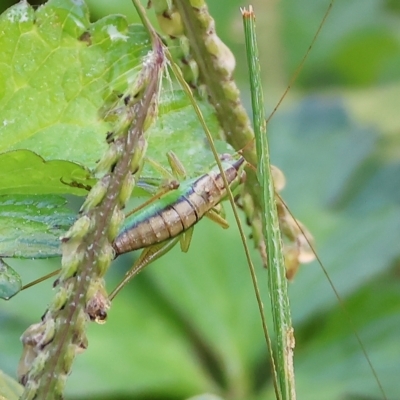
[(165, 219), (178, 210)]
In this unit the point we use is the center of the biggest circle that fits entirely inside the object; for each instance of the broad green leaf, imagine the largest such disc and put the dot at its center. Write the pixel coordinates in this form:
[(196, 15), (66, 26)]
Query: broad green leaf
[(24, 172), (57, 79), (178, 129), (10, 281), (31, 226), (55, 91), (9, 388)]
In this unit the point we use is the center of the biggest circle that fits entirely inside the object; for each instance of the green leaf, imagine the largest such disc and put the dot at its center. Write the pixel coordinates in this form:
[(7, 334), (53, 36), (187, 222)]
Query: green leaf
[(9, 388), (58, 71), (10, 281), (74, 69), (31, 226), (178, 129), (24, 172)]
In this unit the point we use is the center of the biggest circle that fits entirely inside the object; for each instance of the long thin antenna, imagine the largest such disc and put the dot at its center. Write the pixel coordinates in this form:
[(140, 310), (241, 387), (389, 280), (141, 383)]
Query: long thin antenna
[(303, 60)]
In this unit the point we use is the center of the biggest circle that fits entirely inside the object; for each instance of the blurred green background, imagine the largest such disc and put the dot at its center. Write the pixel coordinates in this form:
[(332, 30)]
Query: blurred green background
[(189, 324)]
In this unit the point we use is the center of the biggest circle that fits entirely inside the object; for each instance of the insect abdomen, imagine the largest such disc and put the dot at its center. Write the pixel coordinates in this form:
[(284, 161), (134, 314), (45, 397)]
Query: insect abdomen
[(175, 212)]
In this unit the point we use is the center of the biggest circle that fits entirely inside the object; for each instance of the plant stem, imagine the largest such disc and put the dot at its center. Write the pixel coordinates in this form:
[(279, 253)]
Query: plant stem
[(270, 224)]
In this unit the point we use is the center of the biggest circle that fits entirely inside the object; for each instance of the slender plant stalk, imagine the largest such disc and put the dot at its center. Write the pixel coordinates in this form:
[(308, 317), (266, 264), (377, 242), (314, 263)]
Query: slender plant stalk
[(50, 346), (270, 224)]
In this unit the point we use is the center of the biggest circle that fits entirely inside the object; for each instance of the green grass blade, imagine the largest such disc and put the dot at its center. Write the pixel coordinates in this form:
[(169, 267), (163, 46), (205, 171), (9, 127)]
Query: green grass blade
[(208, 134), (276, 268)]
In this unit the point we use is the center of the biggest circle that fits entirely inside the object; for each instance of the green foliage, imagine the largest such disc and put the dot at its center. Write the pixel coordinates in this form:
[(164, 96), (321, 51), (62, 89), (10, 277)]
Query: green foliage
[(31, 226), (24, 172), (9, 389), (10, 281), (353, 215), (54, 82), (189, 323), (363, 45)]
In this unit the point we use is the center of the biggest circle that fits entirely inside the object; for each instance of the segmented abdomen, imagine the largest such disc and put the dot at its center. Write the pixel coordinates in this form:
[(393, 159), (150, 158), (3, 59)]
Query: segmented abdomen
[(176, 211)]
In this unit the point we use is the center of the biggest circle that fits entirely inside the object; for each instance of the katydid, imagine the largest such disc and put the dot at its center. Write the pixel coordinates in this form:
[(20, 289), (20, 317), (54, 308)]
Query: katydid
[(174, 214), (178, 210), (160, 225)]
